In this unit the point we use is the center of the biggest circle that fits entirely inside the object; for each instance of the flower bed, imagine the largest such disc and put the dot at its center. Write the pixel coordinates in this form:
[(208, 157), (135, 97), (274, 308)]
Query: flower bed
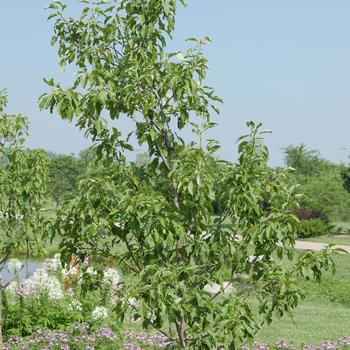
[(342, 343), (61, 308), (79, 337)]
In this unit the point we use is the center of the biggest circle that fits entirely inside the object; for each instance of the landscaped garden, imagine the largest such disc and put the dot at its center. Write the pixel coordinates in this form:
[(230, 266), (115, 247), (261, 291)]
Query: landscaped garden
[(62, 308), (177, 249)]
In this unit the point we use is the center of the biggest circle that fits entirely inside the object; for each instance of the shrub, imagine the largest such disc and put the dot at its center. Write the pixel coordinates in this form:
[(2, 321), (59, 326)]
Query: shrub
[(311, 213), (313, 228)]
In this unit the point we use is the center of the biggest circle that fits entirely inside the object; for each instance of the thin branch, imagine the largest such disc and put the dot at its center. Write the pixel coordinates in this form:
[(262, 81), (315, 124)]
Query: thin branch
[(132, 254)]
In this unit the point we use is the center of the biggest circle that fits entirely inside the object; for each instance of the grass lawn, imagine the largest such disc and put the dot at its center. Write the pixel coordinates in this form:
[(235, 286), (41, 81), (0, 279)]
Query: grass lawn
[(312, 324), (324, 314)]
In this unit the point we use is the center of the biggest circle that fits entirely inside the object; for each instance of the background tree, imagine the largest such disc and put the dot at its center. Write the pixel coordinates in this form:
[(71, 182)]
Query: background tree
[(345, 175), (321, 183), (157, 221), (65, 171), (87, 156), (306, 162), (326, 192)]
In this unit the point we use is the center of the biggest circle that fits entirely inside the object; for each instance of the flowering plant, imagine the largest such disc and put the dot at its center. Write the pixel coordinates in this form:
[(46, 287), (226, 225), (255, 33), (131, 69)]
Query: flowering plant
[(44, 301)]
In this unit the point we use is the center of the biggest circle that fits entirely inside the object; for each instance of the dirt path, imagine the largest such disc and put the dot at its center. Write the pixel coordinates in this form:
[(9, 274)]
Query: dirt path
[(303, 245)]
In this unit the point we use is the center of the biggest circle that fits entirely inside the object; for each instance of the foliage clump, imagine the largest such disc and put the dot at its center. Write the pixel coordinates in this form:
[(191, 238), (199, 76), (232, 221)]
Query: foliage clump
[(313, 228)]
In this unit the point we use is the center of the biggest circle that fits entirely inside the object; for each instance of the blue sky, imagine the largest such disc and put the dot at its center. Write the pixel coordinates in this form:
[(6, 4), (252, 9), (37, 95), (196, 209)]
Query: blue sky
[(283, 63)]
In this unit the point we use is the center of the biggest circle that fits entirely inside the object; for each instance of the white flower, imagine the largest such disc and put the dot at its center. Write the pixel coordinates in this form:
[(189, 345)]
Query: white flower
[(91, 271), (40, 274), (119, 225), (255, 258), (114, 300), (53, 288), (86, 261), (70, 272), (12, 287), (111, 277), (70, 292), (75, 305), (14, 265), (132, 302), (29, 287), (99, 312), (52, 264), (41, 282)]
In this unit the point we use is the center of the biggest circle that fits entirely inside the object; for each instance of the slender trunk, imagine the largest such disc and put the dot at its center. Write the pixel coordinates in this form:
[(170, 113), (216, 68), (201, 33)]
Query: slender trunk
[(27, 257), (1, 318), (180, 327)]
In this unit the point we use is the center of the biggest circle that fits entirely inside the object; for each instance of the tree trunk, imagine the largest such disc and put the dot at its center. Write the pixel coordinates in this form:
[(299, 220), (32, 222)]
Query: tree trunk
[(27, 258), (180, 327), (1, 318)]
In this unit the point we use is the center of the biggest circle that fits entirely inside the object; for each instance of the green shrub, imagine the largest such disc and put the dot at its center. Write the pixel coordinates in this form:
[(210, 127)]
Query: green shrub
[(313, 228), (326, 192)]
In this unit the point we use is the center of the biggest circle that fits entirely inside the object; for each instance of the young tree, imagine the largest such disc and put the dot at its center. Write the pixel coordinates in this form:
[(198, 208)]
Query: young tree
[(157, 220), (23, 185), (13, 128)]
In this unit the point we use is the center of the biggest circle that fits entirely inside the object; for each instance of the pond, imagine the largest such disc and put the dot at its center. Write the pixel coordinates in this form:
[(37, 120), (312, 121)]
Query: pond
[(27, 270)]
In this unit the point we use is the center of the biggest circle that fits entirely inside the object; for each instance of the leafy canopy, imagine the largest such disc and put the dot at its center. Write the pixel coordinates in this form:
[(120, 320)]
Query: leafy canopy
[(156, 220)]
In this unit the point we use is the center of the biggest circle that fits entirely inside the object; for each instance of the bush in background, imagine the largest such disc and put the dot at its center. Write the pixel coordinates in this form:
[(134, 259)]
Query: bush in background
[(311, 213), (313, 228)]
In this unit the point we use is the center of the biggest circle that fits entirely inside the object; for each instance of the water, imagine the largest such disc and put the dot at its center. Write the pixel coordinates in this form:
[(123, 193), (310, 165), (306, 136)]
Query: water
[(28, 267)]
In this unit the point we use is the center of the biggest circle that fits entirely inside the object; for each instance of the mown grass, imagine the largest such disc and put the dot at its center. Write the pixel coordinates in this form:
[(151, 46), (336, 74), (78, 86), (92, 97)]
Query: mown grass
[(323, 315), (333, 289), (312, 323)]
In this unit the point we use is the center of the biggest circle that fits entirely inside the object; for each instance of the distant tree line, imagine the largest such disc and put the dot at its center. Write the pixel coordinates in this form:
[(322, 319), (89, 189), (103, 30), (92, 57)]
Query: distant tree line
[(324, 186)]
